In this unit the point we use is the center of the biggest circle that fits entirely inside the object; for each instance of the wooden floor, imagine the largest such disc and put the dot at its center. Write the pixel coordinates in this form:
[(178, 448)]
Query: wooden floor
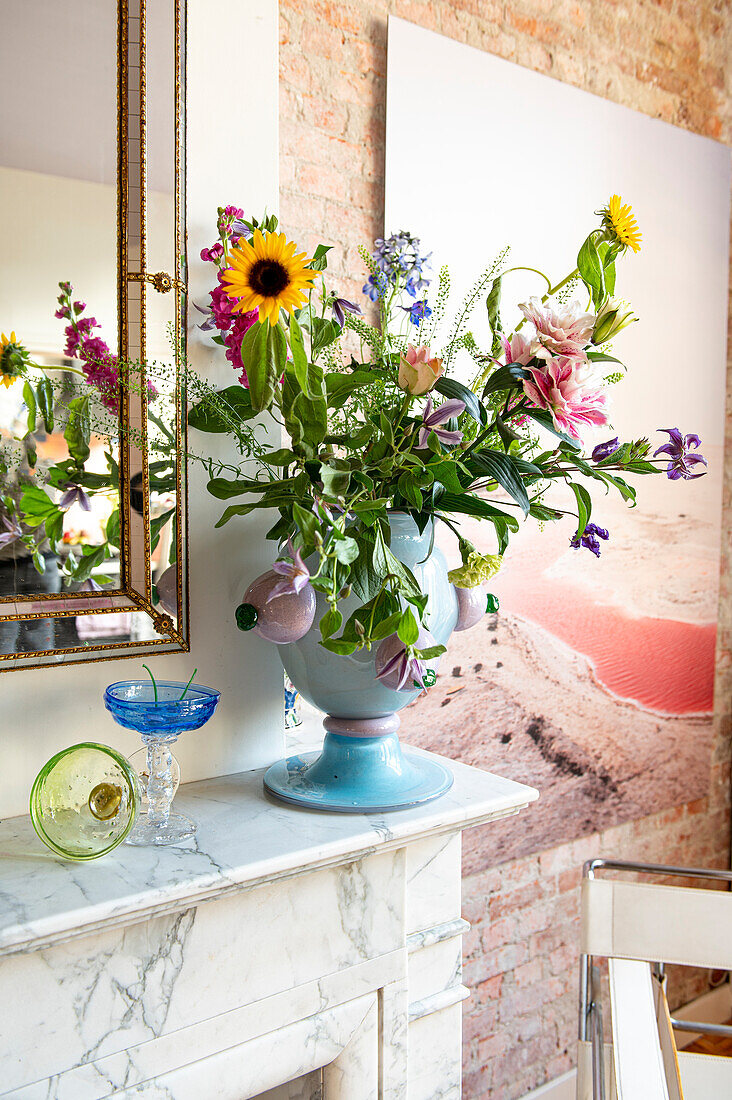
[(712, 1044)]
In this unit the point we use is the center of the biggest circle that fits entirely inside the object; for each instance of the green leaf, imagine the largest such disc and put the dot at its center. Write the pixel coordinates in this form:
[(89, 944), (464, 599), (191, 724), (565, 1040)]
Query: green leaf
[(30, 400), (493, 305), (36, 506), (505, 378), (78, 430), (223, 488), (470, 505), (299, 356), (385, 563), (431, 652), (543, 417), (408, 628), (335, 476), (340, 385), (346, 550), (319, 261), (112, 529), (602, 357), (450, 387), (336, 645), (324, 333), (386, 627), (264, 355), (410, 490), (363, 577), (584, 506), (221, 411), (44, 393), (330, 623), (592, 271), (544, 513), (306, 521), (501, 468), (280, 458)]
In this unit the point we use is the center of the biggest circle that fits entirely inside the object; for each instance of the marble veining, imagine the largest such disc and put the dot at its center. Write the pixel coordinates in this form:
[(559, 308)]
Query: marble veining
[(243, 839)]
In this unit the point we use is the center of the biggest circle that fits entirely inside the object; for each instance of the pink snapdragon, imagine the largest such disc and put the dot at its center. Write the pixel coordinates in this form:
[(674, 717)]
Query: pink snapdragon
[(560, 329), (569, 391)]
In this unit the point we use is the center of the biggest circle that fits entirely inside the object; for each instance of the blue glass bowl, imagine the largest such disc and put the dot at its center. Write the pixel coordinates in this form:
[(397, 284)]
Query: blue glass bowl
[(132, 705)]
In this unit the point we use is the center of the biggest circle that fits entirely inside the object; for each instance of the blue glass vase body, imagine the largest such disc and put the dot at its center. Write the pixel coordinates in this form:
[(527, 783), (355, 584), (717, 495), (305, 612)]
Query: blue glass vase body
[(363, 767), (160, 714), (347, 686)]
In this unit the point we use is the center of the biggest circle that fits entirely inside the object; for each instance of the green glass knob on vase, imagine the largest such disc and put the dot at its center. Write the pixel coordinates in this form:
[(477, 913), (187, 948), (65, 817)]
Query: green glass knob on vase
[(246, 616), (491, 604)]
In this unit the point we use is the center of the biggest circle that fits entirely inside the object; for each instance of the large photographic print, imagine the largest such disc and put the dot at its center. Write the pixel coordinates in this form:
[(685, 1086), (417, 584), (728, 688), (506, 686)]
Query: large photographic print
[(594, 681)]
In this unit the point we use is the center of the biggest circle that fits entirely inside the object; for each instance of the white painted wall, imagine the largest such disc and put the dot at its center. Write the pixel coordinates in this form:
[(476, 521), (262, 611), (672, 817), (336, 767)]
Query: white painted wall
[(45, 710)]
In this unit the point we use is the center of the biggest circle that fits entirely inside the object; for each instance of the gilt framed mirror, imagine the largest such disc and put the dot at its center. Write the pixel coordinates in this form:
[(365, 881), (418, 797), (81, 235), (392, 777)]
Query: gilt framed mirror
[(92, 317)]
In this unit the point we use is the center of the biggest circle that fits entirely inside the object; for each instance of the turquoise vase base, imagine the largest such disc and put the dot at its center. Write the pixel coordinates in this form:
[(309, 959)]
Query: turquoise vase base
[(356, 775)]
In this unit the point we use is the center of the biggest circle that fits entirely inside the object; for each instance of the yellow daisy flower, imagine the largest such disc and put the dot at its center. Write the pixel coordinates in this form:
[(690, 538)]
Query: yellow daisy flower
[(267, 274), (8, 374), (620, 224)]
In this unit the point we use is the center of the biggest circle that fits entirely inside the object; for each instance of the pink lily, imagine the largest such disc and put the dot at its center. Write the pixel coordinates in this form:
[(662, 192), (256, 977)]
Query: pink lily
[(431, 420), (295, 573)]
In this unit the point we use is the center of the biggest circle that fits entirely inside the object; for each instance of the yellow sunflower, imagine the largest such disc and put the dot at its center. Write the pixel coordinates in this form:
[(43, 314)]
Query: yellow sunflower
[(267, 274), (8, 372), (620, 224)]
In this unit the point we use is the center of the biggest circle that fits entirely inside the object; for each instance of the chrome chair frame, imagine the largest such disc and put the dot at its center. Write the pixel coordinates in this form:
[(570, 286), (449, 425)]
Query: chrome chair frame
[(590, 1005)]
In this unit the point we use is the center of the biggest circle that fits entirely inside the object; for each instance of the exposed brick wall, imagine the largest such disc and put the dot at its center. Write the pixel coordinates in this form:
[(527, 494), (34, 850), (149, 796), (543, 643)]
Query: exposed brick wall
[(669, 59)]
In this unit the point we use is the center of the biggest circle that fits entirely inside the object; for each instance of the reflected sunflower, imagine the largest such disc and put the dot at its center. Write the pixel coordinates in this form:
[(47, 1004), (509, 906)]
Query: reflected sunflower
[(11, 354), (268, 274), (620, 225)]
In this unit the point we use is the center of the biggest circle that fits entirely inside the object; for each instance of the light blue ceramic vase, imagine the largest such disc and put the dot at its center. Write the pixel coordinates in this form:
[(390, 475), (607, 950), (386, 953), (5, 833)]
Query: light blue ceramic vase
[(362, 766)]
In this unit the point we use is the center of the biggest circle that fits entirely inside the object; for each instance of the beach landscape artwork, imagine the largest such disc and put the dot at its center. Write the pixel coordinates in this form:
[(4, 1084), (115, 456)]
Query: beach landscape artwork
[(594, 682)]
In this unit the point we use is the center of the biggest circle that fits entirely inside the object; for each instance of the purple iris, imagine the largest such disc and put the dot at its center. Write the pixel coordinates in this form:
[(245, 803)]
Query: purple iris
[(75, 495), (590, 538), (341, 306), (431, 421), (417, 311), (295, 573), (407, 668), (679, 449), (604, 450)]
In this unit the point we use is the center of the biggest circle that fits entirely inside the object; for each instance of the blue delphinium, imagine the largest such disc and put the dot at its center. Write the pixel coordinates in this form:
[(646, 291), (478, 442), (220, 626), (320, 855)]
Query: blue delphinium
[(398, 259), (590, 538), (417, 311)]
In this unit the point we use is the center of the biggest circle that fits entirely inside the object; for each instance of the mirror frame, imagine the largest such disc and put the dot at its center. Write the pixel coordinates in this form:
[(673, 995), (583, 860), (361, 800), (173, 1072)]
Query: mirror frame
[(134, 281)]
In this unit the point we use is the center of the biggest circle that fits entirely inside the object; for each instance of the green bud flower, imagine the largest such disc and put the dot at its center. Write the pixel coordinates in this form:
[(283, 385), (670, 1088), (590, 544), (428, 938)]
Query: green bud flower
[(614, 316)]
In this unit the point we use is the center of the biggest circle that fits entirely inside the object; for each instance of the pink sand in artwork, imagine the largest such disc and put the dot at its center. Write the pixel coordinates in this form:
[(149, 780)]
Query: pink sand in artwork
[(661, 664)]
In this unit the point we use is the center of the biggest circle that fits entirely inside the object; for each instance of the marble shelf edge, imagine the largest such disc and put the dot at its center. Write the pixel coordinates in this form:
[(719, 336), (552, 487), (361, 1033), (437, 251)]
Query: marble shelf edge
[(459, 810)]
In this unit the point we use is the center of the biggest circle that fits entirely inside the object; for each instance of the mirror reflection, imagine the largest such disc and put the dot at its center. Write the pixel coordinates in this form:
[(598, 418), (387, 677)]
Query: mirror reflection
[(90, 505)]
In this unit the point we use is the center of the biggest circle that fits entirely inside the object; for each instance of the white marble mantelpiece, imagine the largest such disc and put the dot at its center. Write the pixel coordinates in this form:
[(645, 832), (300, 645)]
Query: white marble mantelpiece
[(328, 950)]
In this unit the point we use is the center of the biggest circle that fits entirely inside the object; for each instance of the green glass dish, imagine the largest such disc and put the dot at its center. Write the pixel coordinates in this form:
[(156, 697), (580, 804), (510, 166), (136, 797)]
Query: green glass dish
[(84, 801)]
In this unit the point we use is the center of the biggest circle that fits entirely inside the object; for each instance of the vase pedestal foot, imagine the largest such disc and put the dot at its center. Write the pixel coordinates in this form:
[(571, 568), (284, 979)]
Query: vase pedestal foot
[(362, 768)]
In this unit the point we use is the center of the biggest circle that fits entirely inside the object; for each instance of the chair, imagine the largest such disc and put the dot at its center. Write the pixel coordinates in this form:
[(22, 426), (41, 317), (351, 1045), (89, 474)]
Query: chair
[(639, 927)]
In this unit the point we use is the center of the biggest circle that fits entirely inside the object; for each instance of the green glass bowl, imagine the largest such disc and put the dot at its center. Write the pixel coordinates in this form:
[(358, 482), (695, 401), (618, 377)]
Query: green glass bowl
[(84, 801)]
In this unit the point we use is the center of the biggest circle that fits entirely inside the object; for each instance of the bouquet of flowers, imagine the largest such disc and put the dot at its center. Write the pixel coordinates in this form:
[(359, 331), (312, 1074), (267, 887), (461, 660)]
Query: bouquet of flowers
[(377, 422)]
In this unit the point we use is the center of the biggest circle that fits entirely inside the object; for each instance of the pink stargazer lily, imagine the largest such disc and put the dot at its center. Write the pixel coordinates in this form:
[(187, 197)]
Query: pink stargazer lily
[(569, 393), (295, 573), (431, 421)]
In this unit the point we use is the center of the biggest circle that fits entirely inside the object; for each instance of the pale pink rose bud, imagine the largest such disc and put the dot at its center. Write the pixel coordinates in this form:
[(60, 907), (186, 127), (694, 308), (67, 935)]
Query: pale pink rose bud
[(418, 373)]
